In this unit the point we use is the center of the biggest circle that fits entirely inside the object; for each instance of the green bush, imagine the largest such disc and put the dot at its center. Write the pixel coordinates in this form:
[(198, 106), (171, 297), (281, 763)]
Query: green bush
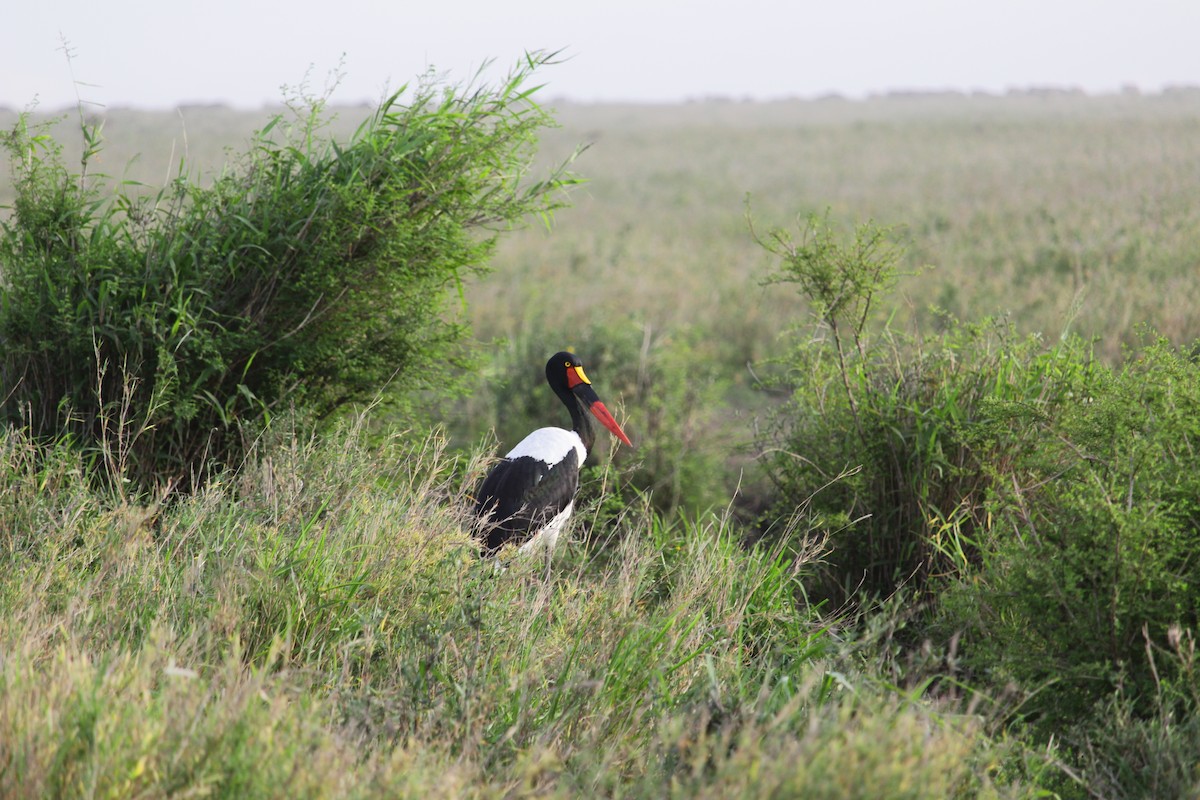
[(1093, 546), (160, 330), (1042, 506), (895, 439)]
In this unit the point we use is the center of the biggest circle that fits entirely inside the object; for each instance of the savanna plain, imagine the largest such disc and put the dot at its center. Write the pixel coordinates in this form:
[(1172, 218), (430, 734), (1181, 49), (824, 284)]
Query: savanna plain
[(913, 509)]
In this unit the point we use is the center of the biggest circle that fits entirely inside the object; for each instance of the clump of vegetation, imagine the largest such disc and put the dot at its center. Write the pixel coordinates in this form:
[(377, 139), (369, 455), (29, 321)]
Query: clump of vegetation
[(891, 436), (310, 274), (1091, 584), (1039, 506)]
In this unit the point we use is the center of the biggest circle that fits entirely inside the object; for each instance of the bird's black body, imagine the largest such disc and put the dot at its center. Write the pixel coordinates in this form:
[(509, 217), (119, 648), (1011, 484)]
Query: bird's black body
[(530, 494), (525, 494)]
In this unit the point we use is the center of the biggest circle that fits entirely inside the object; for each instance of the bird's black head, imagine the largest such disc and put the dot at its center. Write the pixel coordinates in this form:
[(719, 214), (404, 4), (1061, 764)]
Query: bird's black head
[(564, 371)]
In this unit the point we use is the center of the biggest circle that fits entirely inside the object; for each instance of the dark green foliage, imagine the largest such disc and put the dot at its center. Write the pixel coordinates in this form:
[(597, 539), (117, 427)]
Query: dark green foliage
[(312, 273), (1093, 555), (1127, 753), (1087, 595)]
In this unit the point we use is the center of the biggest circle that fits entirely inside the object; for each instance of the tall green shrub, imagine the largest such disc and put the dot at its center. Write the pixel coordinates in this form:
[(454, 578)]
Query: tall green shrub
[(1093, 564), (311, 273), (1046, 505), (896, 440)]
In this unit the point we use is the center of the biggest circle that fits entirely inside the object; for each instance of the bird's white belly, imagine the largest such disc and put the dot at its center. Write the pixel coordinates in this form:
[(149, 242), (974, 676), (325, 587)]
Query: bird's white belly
[(547, 537)]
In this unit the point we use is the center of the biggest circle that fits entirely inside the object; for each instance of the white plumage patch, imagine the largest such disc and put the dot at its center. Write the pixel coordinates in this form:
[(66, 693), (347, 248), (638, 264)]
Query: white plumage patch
[(547, 537), (549, 445)]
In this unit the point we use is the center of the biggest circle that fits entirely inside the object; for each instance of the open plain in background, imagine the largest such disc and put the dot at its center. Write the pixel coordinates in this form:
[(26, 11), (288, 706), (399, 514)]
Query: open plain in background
[(1031, 204), (1052, 207), (1057, 210)]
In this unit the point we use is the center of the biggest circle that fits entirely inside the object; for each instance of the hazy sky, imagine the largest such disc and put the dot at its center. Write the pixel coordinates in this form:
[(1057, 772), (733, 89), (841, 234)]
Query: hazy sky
[(158, 53)]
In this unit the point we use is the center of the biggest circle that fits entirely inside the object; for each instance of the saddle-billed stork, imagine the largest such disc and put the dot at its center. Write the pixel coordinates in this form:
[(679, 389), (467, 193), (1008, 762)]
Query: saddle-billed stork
[(528, 497)]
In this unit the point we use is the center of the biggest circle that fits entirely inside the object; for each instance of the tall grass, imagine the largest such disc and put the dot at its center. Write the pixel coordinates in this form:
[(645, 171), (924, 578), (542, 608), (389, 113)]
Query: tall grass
[(320, 625)]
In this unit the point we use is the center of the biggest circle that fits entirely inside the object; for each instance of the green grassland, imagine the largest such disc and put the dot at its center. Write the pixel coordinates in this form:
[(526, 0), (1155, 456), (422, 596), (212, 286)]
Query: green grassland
[(324, 628), (1057, 212), (317, 623), (1021, 205), (1052, 208)]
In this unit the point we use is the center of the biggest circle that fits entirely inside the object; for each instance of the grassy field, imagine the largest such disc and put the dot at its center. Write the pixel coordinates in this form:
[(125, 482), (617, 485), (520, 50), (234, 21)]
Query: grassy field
[(321, 627), (1050, 208), (1058, 213), (317, 624), (1028, 206)]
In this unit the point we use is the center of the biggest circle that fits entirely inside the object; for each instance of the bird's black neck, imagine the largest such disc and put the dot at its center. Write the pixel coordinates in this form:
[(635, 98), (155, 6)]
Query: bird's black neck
[(579, 419)]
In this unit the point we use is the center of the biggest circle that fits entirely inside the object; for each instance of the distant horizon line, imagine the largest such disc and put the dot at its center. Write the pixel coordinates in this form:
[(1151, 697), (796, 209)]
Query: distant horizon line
[(1031, 90)]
